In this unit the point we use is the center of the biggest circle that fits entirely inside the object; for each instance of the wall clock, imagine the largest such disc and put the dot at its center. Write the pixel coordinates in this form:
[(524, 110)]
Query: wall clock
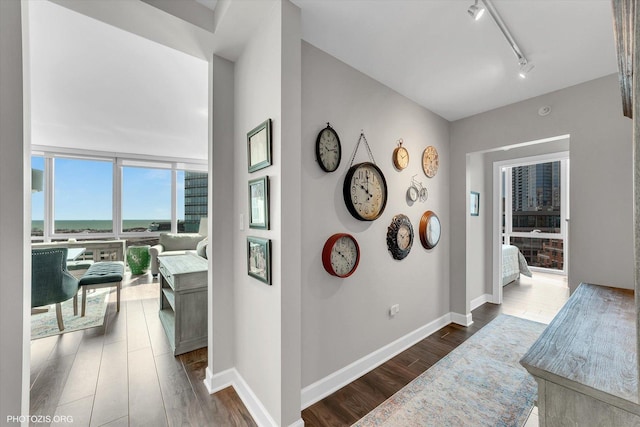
[(341, 255), (429, 230), (430, 161), (400, 156), (365, 191), (400, 236), (365, 188), (328, 149)]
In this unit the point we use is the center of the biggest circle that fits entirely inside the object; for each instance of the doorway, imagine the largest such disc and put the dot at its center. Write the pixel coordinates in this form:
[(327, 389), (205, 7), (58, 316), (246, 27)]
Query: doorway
[(531, 214)]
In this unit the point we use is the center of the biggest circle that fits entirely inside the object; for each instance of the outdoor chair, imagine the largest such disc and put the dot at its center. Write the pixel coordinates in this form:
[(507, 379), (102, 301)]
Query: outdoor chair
[(51, 283)]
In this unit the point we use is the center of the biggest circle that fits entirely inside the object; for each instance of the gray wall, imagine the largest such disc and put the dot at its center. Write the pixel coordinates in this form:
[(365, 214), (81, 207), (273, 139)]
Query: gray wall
[(15, 200), (477, 254), (601, 199), (267, 318), (346, 319), (221, 181)]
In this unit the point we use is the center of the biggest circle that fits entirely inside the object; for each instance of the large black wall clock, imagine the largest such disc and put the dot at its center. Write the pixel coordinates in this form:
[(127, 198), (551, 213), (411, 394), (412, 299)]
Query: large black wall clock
[(365, 191), (400, 236), (365, 188), (328, 149)]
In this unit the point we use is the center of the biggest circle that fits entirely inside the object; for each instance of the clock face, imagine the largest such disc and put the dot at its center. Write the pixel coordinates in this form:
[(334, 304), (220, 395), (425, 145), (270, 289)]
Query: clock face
[(413, 193), (430, 230), (430, 161), (341, 255), (365, 191), (400, 158), (400, 236), (328, 149)]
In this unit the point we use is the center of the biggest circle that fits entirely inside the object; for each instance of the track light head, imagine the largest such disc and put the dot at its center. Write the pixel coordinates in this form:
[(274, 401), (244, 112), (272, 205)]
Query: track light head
[(476, 11), (525, 68)]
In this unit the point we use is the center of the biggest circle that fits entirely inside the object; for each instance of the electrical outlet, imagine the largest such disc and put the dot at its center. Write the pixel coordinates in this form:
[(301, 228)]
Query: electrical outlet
[(394, 309)]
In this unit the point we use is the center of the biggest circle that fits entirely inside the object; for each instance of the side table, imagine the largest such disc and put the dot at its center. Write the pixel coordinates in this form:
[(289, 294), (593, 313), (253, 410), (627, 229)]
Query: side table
[(183, 301)]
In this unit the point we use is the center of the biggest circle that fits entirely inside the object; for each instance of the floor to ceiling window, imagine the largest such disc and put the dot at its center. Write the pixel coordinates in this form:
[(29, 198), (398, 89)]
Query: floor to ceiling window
[(114, 197), (535, 210)]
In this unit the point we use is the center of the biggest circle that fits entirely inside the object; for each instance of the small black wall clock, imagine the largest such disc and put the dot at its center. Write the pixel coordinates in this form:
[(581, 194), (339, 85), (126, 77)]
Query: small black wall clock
[(328, 149)]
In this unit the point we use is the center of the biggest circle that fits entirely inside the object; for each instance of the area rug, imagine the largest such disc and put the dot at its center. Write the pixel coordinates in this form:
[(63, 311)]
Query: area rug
[(45, 324), (480, 383)]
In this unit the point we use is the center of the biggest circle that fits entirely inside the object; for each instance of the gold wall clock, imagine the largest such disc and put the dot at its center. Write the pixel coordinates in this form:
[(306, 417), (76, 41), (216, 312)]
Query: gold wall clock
[(400, 156), (430, 161), (328, 149), (400, 236), (430, 230), (341, 255)]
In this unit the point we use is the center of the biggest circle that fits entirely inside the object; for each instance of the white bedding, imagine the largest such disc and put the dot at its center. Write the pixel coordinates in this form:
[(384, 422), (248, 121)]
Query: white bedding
[(513, 264)]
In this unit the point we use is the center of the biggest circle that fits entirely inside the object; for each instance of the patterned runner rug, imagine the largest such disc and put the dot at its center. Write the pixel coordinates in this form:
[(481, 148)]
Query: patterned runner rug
[(480, 383), (45, 324)]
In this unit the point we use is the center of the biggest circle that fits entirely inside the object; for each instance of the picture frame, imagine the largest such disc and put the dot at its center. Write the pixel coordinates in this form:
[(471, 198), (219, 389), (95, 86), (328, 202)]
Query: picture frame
[(474, 203), (259, 259), (259, 203), (259, 146)]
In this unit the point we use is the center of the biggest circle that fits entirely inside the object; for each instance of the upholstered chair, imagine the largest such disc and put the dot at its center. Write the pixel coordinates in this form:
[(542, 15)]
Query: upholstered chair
[(51, 283)]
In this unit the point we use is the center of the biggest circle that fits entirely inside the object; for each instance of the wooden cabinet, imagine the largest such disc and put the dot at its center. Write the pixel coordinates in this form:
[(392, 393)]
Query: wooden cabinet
[(183, 301)]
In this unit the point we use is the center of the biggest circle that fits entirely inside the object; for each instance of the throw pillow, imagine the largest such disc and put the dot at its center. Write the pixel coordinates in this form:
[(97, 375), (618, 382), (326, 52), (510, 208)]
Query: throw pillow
[(201, 248)]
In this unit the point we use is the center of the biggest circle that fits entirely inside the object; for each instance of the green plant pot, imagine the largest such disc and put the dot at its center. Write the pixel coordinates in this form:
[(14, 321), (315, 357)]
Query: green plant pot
[(139, 259)]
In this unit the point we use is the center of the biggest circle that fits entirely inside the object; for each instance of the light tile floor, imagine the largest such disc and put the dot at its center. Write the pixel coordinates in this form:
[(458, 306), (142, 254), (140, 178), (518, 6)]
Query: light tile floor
[(537, 298)]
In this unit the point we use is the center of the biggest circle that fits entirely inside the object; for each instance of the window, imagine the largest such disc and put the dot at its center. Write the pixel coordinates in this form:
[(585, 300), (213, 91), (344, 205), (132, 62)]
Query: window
[(534, 207), (83, 196), (37, 197), (146, 199), (97, 196)]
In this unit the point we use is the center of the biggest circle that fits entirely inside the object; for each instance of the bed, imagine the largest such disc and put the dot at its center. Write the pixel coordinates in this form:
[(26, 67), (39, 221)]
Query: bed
[(513, 264)]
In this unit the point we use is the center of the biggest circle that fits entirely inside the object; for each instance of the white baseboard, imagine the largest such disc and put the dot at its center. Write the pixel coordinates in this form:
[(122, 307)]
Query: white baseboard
[(335, 381), (231, 377), (462, 319), (477, 302), (299, 423)]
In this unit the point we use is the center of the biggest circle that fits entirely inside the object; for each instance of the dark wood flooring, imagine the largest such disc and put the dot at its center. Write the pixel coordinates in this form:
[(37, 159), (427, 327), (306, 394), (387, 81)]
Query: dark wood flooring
[(355, 400), (124, 373)]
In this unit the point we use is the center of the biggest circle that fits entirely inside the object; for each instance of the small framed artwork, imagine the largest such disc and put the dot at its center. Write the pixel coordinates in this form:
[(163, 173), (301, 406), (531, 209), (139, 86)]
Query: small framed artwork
[(259, 259), (259, 146), (259, 203), (474, 203)]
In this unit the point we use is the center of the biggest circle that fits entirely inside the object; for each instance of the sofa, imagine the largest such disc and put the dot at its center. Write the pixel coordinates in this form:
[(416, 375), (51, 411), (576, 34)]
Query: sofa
[(178, 244)]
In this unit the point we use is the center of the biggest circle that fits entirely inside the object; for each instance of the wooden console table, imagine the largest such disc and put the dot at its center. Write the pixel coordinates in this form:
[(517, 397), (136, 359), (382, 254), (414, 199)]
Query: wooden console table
[(585, 362), (183, 301)]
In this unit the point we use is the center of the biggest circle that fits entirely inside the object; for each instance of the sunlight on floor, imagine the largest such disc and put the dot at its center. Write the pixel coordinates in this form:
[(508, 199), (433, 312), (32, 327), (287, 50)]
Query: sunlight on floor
[(537, 298)]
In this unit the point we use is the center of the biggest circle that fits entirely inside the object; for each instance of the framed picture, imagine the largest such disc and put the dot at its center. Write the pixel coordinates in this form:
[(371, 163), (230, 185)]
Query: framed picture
[(259, 146), (259, 203), (474, 203), (259, 259)]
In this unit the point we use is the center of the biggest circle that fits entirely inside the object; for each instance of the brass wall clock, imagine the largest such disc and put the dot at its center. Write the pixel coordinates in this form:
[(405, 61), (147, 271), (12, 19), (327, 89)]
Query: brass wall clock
[(365, 188), (341, 255), (400, 236), (430, 230), (430, 161), (328, 149), (400, 156)]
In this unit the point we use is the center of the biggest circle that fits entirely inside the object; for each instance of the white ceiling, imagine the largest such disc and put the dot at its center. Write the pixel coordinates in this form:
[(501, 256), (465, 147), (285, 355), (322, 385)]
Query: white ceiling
[(97, 87), (432, 52)]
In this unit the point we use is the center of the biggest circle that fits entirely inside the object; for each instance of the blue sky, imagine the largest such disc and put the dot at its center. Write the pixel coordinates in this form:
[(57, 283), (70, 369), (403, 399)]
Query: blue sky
[(84, 191)]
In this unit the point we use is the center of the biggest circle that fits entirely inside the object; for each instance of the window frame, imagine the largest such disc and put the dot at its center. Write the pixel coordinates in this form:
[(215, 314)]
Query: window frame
[(119, 161)]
